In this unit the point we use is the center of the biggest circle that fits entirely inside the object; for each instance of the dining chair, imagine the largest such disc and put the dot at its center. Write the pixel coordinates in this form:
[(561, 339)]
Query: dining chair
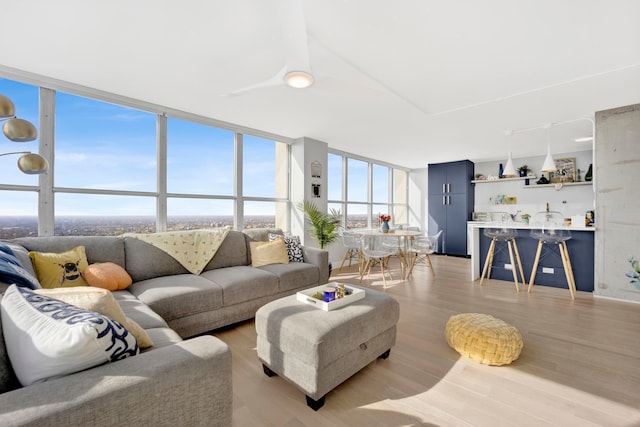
[(374, 252), (352, 243), (420, 249)]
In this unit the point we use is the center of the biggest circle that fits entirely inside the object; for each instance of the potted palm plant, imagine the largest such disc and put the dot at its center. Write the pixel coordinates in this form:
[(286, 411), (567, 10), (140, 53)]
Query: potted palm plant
[(324, 226)]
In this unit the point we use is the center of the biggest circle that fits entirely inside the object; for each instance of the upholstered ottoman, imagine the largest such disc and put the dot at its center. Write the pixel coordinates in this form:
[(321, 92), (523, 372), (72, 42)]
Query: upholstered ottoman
[(483, 338), (317, 350)]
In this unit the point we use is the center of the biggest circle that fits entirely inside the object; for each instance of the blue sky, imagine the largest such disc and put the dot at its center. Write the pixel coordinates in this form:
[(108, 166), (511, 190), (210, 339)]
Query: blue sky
[(104, 146)]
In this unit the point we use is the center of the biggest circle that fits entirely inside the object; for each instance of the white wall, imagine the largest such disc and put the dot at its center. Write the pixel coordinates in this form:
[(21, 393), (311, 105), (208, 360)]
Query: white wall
[(418, 198), (570, 200)]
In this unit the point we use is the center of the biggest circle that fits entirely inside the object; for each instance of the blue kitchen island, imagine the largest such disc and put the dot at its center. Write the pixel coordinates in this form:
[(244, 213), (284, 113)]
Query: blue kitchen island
[(550, 271)]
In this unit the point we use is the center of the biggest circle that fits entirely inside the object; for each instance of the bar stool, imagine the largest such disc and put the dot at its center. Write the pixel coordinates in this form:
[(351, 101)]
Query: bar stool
[(546, 231), (501, 233)]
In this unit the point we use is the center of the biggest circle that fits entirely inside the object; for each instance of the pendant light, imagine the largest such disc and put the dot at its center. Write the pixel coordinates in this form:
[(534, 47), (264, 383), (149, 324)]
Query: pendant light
[(509, 169), (549, 164)]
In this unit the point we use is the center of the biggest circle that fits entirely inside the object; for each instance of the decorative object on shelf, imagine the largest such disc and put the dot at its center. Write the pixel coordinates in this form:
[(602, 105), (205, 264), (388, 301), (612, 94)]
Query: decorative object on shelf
[(589, 176), (549, 164), (509, 170), (324, 226), (565, 171), (19, 130), (525, 218), (522, 170), (384, 226), (480, 177), (542, 180), (500, 171), (578, 177)]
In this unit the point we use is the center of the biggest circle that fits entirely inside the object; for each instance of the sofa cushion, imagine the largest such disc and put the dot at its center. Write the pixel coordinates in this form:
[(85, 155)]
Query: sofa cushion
[(243, 283), (97, 248), (294, 275), (22, 254), (144, 261), (138, 311), (60, 269), (265, 253), (107, 275), (177, 296), (46, 338), (101, 301), (294, 247), (232, 252), (12, 269)]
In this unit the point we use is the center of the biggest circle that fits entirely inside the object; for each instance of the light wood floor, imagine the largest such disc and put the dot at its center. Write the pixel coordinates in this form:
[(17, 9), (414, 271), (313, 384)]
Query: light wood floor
[(580, 365)]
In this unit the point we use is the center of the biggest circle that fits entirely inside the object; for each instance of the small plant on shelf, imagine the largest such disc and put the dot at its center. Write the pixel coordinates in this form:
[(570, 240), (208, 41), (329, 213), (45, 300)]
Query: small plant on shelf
[(522, 170)]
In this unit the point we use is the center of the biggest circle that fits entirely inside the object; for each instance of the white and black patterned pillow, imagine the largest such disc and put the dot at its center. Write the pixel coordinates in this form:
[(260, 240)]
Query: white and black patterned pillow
[(47, 338), (294, 247)]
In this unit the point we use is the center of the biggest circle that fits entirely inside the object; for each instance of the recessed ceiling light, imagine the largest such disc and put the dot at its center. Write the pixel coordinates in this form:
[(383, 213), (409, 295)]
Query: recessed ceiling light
[(298, 79), (584, 139)]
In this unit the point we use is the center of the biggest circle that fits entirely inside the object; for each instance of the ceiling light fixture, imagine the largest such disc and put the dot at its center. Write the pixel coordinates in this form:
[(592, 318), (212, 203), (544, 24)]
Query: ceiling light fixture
[(549, 164), (298, 79), (19, 130), (509, 169)]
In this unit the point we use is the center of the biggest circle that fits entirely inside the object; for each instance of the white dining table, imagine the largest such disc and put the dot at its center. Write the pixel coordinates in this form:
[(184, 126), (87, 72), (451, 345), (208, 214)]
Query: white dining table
[(404, 237)]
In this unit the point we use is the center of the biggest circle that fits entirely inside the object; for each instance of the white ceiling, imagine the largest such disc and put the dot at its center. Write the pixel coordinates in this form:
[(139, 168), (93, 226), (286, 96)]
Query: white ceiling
[(410, 82)]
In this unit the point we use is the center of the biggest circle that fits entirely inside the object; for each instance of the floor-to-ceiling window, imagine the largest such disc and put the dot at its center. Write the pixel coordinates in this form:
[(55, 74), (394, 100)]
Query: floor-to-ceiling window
[(119, 168), (19, 194), (363, 189), (104, 172)]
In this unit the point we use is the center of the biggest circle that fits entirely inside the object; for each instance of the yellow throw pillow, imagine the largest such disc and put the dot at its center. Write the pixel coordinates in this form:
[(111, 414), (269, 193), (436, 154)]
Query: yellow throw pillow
[(107, 275), (264, 253), (101, 301), (60, 270)]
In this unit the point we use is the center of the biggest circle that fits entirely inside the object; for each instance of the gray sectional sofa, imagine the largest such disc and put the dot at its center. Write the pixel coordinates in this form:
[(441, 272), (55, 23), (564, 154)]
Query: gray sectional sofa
[(184, 379)]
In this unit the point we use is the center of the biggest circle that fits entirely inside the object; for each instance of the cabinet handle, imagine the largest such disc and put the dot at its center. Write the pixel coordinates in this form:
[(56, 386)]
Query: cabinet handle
[(444, 200), (448, 199), (448, 188), (444, 188)]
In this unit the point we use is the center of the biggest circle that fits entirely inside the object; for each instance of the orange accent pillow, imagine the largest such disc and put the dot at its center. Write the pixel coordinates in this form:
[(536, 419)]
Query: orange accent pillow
[(107, 275)]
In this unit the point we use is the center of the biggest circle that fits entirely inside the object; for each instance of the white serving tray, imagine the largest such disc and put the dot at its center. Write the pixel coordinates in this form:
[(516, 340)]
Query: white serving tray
[(306, 298)]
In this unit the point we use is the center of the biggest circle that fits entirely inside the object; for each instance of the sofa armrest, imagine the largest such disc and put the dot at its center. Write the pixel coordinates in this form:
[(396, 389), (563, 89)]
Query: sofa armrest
[(319, 257), (185, 384)]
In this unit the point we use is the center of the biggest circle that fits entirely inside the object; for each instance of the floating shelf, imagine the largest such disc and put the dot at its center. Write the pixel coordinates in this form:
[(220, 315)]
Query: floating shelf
[(552, 185), (495, 181)]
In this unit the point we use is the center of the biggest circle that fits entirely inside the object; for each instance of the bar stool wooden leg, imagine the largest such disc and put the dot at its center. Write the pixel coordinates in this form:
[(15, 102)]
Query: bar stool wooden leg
[(535, 266), (567, 268), (487, 261), (515, 248), (491, 255), (573, 279), (513, 265)]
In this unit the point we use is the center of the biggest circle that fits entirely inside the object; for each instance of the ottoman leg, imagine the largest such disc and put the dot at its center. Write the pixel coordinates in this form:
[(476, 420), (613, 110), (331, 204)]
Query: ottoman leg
[(385, 354), (315, 404), (267, 371)]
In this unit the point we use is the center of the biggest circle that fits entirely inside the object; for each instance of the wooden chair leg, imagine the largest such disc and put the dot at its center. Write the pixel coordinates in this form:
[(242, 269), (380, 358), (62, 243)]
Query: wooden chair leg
[(535, 266), (344, 258), (487, 261), (428, 258), (513, 265)]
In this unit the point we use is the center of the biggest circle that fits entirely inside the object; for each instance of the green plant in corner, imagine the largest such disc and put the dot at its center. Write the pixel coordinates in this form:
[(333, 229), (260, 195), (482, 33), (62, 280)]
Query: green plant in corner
[(325, 226)]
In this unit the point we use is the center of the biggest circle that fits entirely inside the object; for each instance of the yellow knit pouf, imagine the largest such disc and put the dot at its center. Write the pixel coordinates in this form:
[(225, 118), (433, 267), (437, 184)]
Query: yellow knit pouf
[(483, 338)]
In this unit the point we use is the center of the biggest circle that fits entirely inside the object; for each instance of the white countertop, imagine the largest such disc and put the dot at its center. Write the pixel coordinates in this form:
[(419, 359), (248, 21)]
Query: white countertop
[(520, 225)]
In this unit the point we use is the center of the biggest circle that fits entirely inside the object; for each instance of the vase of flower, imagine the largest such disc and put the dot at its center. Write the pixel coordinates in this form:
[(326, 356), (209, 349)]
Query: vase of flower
[(384, 223)]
